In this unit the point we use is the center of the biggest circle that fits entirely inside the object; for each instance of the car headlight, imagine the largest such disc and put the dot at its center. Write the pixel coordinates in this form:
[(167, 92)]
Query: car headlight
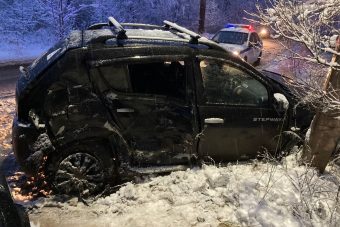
[(263, 32), (236, 53)]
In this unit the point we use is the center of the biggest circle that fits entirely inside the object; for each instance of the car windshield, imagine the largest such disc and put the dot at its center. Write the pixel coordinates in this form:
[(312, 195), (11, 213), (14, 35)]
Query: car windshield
[(231, 37)]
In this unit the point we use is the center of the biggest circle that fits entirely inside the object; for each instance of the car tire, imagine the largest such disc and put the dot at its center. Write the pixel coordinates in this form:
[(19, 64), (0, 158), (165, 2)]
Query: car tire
[(258, 61), (83, 169)]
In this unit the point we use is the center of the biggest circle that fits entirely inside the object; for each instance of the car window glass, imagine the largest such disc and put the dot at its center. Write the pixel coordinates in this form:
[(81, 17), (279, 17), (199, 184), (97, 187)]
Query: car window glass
[(116, 76), (252, 39), (257, 38), (226, 84), (162, 78), (230, 37)]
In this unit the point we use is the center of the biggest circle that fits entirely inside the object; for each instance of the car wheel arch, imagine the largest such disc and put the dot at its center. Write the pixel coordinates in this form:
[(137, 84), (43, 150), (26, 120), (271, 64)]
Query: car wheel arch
[(99, 148)]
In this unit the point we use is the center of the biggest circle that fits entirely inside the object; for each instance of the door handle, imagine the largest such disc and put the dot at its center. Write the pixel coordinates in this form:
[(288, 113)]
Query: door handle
[(213, 121), (125, 110)]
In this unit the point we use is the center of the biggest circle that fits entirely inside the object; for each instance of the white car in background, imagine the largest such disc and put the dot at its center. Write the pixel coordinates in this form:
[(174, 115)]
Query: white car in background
[(242, 40)]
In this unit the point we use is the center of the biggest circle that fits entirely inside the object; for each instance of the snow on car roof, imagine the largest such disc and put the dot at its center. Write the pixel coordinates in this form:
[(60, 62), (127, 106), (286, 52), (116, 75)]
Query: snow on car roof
[(151, 33)]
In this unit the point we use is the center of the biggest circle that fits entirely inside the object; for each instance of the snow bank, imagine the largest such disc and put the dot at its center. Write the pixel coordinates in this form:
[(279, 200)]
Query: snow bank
[(253, 194)]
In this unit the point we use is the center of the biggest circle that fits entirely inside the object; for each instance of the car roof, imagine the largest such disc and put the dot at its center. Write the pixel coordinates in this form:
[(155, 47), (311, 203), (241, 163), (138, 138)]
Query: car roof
[(113, 34)]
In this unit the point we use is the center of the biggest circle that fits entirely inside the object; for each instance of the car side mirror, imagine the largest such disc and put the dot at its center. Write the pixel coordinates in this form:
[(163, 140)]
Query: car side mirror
[(23, 71), (281, 103)]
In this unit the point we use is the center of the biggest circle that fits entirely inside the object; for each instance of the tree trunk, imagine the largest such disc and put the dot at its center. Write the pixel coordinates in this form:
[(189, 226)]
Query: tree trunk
[(201, 23), (324, 133)]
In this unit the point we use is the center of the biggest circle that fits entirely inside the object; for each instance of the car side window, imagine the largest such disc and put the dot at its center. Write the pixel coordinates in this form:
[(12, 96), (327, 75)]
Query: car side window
[(224, 83), (114, 76), (252, 38), (160, 78), (257, 38)]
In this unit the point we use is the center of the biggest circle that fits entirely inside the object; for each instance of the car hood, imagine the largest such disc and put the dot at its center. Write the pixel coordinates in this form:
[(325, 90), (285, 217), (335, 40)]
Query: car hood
[(233, 47), (278, 78), (283, 82)]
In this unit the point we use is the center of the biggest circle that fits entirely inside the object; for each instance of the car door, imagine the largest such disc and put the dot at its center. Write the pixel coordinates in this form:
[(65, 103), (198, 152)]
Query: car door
[(236, 113), (256, 44), (149, 103)]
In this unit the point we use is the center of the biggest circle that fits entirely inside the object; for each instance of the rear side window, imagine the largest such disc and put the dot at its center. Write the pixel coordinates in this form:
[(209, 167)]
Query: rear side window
[(166, 78), (116, 76), (159, 78)]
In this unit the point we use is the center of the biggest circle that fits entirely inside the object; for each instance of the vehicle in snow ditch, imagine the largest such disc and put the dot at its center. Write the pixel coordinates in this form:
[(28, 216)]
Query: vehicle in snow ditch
[(117, 99)]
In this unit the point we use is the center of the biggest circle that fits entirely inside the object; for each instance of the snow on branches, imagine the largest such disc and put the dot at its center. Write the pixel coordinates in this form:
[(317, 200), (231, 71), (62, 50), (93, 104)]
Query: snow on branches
[(314, 23)]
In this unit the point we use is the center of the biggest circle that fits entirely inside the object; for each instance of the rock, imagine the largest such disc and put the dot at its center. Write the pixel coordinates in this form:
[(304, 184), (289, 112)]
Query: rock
[(200, 219)]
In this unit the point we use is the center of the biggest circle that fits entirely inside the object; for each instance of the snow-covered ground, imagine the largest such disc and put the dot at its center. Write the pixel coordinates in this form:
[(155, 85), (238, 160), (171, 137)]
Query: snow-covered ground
[(251, 194)]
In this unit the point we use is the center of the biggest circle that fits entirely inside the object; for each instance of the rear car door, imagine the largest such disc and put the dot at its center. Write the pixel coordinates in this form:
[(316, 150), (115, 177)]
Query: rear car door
[(149, 103), (236, 113)]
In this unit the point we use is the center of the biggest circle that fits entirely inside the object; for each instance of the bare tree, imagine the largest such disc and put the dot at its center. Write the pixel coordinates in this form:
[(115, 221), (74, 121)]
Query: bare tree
[(61, 14), (314, 24), (201, 23)]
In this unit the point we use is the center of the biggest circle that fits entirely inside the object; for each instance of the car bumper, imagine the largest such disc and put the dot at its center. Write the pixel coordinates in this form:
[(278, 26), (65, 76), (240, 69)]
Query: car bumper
[(23, 137)]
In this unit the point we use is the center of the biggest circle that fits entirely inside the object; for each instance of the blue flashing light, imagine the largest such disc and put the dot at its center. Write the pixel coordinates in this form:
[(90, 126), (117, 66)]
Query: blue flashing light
[(230, 26), (249, 27)]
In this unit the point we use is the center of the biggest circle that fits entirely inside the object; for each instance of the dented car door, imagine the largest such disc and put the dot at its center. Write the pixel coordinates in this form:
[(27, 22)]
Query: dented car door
[(148, 101)]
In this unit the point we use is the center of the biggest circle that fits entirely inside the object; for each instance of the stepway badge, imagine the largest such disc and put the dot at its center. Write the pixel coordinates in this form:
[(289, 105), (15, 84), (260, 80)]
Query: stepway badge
[(265, 119)]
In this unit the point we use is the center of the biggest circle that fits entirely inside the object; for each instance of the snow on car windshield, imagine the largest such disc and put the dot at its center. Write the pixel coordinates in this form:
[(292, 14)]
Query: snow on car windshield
[(231, 37)]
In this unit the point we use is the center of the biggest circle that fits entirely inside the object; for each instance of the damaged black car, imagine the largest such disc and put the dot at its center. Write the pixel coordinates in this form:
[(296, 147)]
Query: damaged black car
[(135, 98)]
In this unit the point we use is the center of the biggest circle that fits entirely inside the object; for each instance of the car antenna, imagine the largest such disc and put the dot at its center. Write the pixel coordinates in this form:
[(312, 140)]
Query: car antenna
[(193, 36)]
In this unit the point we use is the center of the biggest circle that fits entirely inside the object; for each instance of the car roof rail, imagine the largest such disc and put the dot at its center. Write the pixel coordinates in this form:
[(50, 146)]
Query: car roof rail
[(101, 25), (212, 45), (142, 25), (97, 26), (194, 36), (118, 28), (121, 32)]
